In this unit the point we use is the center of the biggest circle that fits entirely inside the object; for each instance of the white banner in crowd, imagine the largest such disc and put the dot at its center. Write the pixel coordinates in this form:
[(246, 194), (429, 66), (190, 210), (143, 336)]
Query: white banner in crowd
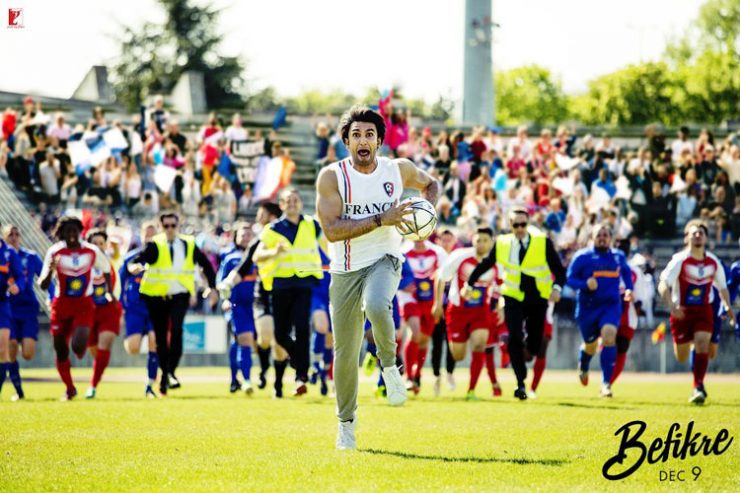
[(95, 147), (246, 157), (268, 178), (164, 176)]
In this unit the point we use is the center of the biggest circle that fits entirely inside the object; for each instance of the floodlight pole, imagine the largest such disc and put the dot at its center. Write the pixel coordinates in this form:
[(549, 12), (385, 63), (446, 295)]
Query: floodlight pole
[(478, 90)]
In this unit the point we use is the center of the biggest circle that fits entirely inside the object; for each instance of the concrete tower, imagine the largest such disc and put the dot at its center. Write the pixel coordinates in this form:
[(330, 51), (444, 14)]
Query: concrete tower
[(478, 79)]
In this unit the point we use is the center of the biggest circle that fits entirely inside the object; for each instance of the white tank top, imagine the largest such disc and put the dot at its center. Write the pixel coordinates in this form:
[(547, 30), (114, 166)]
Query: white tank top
[(364, 196)]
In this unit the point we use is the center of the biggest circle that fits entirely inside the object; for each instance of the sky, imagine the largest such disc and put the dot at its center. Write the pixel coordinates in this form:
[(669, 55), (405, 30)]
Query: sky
[(296, 45)]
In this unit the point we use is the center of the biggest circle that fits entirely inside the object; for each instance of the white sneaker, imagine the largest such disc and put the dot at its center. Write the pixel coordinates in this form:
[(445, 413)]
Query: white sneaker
[(394, 387), (606, 390), (451, 382), (531, 394), (346, 435), (437, 385), (247, 387)]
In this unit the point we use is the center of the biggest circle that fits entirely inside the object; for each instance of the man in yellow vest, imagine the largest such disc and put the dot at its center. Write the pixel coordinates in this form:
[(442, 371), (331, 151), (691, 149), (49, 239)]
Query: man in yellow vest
[(167, 288), (528, 261), (289, 265)]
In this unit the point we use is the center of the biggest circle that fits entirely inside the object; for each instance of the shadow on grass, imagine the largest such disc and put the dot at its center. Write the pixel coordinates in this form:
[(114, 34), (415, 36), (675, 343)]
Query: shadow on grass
[(480, 460), (594, 406)]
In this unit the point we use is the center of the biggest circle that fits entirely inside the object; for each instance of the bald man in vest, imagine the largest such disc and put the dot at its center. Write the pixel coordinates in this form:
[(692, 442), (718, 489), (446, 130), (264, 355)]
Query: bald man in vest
[(289, 265), (529, 262), (168, 288)]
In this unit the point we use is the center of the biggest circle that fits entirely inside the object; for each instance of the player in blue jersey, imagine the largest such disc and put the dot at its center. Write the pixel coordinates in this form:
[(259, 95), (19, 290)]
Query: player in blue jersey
[(262, 307), (322, 336), (24, 328), (595, 272), (238, 310), (136, 316), (12, 282)]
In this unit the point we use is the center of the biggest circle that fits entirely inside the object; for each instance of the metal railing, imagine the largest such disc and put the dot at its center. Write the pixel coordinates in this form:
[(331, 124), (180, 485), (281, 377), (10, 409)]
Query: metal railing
[(13, 211)]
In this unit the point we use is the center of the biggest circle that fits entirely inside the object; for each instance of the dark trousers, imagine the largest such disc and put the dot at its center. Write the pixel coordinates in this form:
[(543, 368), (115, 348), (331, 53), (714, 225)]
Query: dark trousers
[(439, 342), (167, 315), (530, 314), (291, 310)]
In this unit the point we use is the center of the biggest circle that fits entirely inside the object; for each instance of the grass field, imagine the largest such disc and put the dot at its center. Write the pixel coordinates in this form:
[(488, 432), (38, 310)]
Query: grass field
[(203, 439)]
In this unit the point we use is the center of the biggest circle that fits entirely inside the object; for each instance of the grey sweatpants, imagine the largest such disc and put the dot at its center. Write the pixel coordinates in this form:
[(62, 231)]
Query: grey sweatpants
[(355, 295)]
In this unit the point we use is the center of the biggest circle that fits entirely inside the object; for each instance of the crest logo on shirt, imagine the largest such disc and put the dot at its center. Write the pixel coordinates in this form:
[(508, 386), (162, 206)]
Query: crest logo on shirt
[(75, 260), (388, 186)]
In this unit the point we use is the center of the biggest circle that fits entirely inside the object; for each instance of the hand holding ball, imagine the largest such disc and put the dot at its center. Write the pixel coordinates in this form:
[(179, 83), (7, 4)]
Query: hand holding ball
[(420, 219)]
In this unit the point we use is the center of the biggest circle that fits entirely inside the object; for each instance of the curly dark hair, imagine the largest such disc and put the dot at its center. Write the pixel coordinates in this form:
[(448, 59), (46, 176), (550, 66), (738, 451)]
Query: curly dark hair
[(64, 222), (361, 113)]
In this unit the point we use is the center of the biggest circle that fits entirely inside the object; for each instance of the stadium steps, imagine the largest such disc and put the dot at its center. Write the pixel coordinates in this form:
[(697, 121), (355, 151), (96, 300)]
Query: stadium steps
[(14, 209)]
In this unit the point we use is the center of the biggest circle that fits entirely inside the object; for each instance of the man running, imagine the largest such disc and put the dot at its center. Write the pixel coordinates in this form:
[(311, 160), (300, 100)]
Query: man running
[(25, 324), (72, 309), (685, 285), (595, 274), (357, 205), (136, 315), (107, 322)]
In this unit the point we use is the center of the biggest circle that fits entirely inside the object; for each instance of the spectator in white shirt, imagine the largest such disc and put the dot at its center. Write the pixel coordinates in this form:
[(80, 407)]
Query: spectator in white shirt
[(235, 132), (681, 144), (49, 174), (525, 147)]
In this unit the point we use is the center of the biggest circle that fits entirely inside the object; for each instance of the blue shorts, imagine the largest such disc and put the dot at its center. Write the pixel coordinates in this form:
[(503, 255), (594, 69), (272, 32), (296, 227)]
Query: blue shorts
[(319, 301), (590, 320), (6, 316), (137, 321), (396, 316), (25, 327), (242, 318)]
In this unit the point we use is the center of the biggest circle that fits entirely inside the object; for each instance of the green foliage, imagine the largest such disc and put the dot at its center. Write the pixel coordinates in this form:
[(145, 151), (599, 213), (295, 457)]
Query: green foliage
[(719, 25), (529, 94), (154, 57), (263, 100), (317, 101), (637, 94)]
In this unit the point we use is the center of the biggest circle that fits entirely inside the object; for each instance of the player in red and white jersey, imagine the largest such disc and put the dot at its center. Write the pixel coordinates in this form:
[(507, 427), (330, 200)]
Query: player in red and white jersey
[(107, 322), (425, 259), (685, 285), (469, 316), (72, 307), (628, 322)]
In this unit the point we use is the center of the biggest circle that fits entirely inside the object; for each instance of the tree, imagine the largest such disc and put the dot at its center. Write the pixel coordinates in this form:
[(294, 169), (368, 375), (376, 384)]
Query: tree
[(153, 59), (638, 94), (529, 94)]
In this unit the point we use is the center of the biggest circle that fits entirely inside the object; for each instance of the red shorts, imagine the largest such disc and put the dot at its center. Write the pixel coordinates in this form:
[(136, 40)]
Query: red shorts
[(67, 314), (628, 322), (461, 322), (696, 319), (107, 319), (496, 329), (423, 310)]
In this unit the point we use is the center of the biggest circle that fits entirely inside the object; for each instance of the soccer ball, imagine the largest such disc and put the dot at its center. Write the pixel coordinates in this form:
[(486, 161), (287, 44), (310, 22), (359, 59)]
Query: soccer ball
[(424, 218)]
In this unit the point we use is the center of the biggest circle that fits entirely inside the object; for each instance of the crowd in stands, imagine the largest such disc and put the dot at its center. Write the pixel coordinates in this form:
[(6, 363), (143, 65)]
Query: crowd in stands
[(35, 155), (569, 182)]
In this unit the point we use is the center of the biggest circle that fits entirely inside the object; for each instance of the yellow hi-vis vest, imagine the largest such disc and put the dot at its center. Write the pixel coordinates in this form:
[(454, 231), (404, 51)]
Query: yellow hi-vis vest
[(160, 275), (534, 265), (302, 258)]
